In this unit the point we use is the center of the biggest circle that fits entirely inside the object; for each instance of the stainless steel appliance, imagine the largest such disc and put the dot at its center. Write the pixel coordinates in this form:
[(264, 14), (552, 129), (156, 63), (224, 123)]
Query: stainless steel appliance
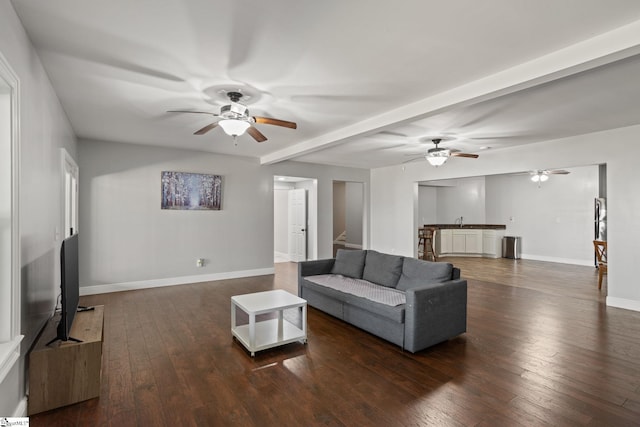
[(600, 219)]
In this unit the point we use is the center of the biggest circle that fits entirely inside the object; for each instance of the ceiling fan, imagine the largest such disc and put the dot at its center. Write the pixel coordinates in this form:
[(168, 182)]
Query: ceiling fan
[(235, 120), (541, 175), (437, 156)]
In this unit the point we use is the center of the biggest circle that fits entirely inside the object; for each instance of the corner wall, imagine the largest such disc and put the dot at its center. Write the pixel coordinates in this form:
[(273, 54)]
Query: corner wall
[(44, 129)]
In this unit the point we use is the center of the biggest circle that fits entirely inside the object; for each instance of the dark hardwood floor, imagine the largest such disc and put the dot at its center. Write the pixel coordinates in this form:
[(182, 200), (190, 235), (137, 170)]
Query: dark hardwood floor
[(541, 349)]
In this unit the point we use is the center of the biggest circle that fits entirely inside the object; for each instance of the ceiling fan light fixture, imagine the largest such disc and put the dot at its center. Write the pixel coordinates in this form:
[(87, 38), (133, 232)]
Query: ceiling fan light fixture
[(234, 127), (437, 159), (539, 177)]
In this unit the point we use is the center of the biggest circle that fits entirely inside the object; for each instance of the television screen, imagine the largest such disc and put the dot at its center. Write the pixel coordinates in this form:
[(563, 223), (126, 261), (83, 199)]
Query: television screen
[(69, 284)]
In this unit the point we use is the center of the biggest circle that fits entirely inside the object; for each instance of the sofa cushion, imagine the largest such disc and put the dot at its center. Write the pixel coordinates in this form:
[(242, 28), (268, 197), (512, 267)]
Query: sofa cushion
[(349, 263), (393, 313), (382, 269), (417, 272)]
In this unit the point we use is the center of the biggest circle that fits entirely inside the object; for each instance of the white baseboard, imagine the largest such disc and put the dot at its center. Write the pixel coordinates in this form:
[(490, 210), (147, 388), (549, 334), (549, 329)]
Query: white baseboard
[(172, 281), (588, 263), (627, 304), (281, 255), (21, 409)]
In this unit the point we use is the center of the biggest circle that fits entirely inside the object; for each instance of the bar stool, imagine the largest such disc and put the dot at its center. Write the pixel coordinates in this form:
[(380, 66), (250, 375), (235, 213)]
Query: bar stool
[(426, 248), (601, 255)]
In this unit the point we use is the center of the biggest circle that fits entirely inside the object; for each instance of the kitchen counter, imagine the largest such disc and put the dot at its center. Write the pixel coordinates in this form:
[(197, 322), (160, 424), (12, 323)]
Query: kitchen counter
[(467, 226)]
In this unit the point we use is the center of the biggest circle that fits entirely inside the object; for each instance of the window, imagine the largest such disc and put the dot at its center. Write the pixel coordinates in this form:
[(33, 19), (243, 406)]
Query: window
[(9, 230)]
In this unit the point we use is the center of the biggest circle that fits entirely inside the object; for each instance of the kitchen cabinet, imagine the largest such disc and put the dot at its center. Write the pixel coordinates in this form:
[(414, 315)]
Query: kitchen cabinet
[(444, 237), (492, 243), (467, 241), (473, 241)]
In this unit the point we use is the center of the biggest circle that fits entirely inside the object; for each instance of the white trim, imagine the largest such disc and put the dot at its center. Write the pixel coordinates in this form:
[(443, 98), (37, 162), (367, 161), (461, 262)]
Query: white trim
[(9, 355), (627, 304), (587, 263), (10, 350), (281, 255), (21, 409), (172, 281), (68, 166)]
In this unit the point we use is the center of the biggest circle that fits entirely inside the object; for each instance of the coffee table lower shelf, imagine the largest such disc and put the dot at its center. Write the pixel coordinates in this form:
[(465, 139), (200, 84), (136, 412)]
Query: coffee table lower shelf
[(266, 335)]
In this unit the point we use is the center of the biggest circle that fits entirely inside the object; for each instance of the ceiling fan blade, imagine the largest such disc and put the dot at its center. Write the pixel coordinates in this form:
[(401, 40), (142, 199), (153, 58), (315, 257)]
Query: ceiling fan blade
[(275, 122), (206, 129), (256, 134), (471, 156), (558, 172), (188, 111), (413, 160)]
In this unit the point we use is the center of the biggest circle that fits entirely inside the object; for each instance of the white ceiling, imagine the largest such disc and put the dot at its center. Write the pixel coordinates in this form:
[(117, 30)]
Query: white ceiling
[(367, 82)]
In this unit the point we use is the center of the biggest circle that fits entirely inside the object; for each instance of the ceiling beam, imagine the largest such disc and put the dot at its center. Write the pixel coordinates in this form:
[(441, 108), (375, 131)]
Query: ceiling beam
[(597, 51)]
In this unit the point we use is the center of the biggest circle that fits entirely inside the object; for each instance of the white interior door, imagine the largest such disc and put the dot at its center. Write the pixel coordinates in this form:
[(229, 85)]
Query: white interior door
[(70, 194), (298, 225)]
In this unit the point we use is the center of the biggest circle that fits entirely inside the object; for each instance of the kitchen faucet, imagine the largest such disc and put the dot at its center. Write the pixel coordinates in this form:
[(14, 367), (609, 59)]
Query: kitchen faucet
[(459, 219)]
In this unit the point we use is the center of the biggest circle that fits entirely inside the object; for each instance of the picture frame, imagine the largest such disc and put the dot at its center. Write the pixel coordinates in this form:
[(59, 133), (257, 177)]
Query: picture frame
[(190, 191)]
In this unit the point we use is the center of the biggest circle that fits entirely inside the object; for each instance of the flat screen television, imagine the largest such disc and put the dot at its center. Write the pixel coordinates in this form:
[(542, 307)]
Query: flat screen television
[(69, 287)]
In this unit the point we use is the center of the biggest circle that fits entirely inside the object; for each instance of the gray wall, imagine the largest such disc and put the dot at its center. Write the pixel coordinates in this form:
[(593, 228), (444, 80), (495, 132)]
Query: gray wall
[(44, 129), (126, 237), (354, 198)]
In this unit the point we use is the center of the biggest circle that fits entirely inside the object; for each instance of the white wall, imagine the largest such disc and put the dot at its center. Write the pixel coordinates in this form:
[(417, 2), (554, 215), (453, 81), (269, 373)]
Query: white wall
[(126, 237), (463, 198), (394, 196), (427, 205), (44, 129), (554, 220)]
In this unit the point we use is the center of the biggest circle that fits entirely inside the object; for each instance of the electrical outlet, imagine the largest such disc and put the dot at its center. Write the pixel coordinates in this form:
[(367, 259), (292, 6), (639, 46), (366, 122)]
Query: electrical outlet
[(200, 262)]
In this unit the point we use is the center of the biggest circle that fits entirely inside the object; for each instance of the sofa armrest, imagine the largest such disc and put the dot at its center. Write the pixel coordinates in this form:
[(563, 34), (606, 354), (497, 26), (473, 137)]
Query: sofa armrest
[(435, 313), (313, 268)]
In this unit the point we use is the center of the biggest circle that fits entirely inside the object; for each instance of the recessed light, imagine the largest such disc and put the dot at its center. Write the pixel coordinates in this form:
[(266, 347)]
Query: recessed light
[(485, 148)]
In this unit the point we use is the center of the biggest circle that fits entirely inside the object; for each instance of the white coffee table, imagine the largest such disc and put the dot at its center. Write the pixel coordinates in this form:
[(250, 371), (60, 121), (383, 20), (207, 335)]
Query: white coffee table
[(256, 336)]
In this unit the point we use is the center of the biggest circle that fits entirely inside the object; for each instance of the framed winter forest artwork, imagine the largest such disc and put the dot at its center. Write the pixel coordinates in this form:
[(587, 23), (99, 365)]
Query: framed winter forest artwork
[(191, 191)]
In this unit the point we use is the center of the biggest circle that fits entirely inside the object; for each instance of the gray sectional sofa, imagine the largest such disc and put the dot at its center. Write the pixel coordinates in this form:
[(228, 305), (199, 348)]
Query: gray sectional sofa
[(412, 303)]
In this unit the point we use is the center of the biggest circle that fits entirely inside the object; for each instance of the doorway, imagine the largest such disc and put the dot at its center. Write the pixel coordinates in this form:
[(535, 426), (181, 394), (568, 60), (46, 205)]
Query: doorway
[(348, 215), (70, 194), (295, 218)]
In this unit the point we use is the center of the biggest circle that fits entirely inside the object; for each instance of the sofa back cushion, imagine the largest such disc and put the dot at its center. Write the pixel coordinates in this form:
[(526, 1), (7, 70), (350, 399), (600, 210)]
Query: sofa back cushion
[(349, 263), (382, 269), (417, 272)]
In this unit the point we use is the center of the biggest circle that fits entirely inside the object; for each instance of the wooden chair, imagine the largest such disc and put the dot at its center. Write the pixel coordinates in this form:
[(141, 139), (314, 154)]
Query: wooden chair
[(426, 239), (601, 255)]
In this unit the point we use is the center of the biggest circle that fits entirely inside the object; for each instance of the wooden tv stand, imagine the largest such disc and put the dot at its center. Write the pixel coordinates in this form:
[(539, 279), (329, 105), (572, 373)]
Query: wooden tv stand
[(66, 372)]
